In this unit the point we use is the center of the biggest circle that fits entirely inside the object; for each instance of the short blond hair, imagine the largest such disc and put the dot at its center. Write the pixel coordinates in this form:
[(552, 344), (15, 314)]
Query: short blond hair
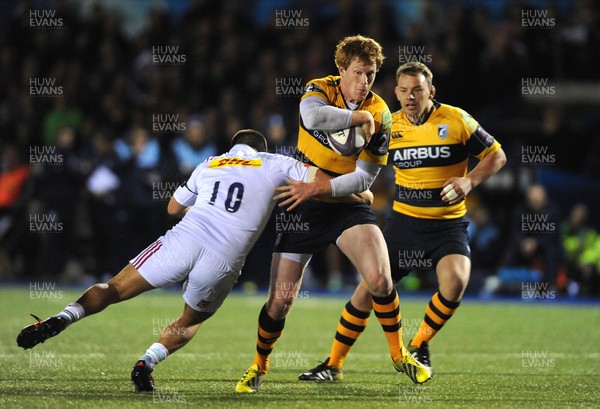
[(364, 48), (415, 68)]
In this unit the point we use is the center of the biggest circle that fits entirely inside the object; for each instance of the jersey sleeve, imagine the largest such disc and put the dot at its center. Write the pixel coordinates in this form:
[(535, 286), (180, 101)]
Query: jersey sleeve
[(479, 142), (187, 192), (289, 168), (316, 88), (376, 150)]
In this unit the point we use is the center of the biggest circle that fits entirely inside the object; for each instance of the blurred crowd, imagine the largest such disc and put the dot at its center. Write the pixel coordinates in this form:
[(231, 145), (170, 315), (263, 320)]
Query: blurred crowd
[(99, 124)]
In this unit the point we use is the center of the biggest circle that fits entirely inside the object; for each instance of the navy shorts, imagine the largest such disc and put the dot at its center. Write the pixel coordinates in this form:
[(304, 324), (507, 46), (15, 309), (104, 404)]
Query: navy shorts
[(419, 244), (313, 226)]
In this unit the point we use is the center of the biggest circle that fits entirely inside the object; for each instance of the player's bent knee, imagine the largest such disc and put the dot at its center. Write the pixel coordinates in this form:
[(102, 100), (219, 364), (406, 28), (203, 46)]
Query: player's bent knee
[(117, 292), (380, 285), (127, 284), (454, 289), (460, 280)]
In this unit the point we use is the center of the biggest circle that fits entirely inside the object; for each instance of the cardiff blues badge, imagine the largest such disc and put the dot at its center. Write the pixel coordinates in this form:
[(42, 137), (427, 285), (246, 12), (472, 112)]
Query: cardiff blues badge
[(443, 131)]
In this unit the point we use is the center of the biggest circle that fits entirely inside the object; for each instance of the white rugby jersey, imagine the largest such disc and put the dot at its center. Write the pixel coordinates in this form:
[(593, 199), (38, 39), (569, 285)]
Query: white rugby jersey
[(232, 198)]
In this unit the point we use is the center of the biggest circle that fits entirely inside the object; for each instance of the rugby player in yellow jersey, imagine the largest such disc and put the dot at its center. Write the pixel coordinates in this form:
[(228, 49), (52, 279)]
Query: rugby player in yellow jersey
[(329, 104), (429, 148)]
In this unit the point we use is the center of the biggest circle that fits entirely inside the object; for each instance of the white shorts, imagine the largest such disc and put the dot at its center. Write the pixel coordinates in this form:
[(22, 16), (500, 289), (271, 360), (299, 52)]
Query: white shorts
[(175, 257)]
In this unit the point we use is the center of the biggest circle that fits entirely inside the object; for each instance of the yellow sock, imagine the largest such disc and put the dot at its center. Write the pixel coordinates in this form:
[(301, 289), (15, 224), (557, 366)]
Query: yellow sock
[(438, 312), (269, 331), (352, 324), (387, 311)]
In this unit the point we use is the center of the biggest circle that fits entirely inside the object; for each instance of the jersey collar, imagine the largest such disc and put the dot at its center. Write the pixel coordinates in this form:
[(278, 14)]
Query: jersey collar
[(241, 147), (431, 112)]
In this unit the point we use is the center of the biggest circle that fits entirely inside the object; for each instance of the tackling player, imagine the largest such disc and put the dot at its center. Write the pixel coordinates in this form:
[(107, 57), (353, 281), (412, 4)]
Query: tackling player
[(430, 147), (224, 207), (329, 104)]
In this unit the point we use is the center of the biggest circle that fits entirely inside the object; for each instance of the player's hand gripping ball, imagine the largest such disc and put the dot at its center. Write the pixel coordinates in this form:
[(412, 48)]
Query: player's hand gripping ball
[(347, 142)]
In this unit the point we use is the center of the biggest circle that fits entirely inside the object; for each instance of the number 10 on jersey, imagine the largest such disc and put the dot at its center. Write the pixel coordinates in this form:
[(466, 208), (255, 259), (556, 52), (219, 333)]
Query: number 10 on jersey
[(234, 196)]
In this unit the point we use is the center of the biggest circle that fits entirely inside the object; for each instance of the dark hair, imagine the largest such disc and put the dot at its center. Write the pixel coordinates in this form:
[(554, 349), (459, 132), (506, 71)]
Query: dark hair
[(250, 137)]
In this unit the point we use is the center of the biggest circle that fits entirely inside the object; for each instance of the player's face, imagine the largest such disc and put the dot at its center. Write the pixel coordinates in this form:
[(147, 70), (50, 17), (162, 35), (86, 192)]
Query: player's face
[(414, 94), (357, 80)]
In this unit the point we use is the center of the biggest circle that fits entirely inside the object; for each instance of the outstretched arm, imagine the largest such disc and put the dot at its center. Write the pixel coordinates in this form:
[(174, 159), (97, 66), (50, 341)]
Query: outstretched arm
[(365, 197), (355, 182)]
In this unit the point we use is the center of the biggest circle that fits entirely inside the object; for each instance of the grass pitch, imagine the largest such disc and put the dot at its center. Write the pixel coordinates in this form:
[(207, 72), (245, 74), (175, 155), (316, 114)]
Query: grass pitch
[(489, 355)]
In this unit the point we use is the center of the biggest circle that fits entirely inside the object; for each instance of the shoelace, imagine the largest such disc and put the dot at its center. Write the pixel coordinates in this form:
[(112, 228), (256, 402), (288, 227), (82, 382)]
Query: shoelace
[(246, 376), (323, 365), (422, 357)]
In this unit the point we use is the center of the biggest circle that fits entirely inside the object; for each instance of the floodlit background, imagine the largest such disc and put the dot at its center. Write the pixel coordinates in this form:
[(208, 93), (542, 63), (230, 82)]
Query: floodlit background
[(105, 106)]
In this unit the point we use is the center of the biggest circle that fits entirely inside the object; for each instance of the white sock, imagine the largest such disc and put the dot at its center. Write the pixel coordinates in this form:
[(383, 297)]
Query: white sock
[(72, 313), (155, 354)]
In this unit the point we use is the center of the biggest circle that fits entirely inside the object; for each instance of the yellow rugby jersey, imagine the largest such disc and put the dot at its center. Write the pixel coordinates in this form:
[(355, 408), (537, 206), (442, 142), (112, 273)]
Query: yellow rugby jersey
[(425, 156), (313, 144)]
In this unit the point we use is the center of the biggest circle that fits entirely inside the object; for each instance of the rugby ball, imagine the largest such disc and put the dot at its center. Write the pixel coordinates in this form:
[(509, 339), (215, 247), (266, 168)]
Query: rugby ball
[(347, 142)]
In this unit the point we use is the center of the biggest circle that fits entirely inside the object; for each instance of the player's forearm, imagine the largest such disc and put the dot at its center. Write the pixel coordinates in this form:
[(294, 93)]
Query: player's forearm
[(360, 117), (487, 167), (365, 197), (321, 187), (317, 114), (358, 181)]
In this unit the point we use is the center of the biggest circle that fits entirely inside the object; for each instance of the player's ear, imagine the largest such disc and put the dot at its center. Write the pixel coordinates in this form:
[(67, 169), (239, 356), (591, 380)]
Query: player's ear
[(432, 93), (397, 92)]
